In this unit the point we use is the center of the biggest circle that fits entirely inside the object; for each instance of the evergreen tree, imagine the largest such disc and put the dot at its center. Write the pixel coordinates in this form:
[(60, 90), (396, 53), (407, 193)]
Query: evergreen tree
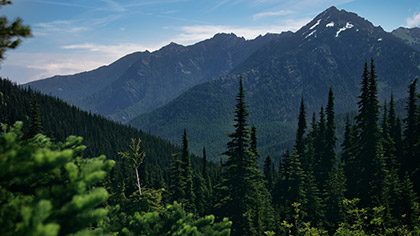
[(35, 126), (395, 133), (294, 184), (368, 159), (186, 172), (330, 135), (300, 133), (177, 183), (321, 164), (242, 195), (205, 174), (334, 196), (348, 159), (268, 173), (411, 161), (253, 142), (308, 161)]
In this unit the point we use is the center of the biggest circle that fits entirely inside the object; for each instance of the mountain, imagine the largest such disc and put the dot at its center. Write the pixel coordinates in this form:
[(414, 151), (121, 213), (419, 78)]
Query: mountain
[(327, 52), (409, 36), (143, 81)]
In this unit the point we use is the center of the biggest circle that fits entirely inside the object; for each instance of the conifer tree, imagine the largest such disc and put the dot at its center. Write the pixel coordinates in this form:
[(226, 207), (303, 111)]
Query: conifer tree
[(300, 138), (308, 161), (242, 195), (411, 134), (334, 196), (395, 133), (177, 183), (268, 173), (35, 126), (294, 182), (348, 159), (205, 174), (189, 198), (320, 162), (368, 159), (330, 135), (253, 141)]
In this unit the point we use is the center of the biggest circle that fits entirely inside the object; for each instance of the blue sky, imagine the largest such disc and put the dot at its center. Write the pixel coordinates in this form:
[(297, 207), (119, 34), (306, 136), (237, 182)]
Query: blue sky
[(71, 36)]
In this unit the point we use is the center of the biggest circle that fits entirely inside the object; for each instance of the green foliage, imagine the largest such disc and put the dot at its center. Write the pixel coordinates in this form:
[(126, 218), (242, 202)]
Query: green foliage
[(173, 220), (47, 188), (136, 157), (11, 32)]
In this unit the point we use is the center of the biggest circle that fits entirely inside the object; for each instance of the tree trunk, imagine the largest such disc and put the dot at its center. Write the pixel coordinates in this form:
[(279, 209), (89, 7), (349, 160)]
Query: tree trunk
[(138, 180)]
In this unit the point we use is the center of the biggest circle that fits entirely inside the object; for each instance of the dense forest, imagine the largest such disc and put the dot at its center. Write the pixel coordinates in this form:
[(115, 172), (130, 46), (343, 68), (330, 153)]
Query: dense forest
[(51, 185)]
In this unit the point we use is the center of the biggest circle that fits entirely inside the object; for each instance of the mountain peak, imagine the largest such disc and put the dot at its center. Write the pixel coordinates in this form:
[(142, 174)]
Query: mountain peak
[(333, 22)]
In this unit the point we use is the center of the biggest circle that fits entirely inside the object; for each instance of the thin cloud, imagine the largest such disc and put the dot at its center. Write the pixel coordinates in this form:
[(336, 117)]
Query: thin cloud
[(116, 50), (271, 13), (413, 21), (195, 33), (64, 4), (113, 6), (57, 26)]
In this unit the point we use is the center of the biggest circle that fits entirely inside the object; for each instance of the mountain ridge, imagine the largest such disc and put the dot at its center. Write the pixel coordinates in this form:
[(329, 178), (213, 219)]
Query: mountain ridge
[(150, 80)]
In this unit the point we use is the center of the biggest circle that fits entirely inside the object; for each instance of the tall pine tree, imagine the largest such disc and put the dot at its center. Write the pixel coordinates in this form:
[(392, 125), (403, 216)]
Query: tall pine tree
[(242, 195)]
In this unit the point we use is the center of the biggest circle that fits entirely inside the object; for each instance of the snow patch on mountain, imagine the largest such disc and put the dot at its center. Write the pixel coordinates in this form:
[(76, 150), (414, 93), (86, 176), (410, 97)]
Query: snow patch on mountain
[(310, 34), (348, 26), (331, 24), (379, 39), (315, 25)]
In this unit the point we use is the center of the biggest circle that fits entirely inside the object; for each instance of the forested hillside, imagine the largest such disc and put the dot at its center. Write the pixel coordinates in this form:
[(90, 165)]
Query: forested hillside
[(101, 136)]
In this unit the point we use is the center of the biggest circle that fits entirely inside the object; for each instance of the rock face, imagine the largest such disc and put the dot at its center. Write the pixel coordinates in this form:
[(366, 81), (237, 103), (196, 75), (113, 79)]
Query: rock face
[(327, 52)]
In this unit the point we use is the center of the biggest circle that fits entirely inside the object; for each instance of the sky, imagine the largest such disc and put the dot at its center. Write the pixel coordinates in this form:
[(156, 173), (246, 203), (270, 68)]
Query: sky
[(72, 36)]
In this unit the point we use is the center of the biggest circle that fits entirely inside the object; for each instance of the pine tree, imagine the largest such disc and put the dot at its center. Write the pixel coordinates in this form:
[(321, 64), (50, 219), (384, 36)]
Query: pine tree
[(268, 173), (368, 158), (334, 197), (35, 126), (253, 141), (330, 135), (348, 159), (395, 133), (300, 139), (308, 161), (320, 162), (294, 184), (242, 195), (205, 174), (189, 198), (411, 135), (177, 183)]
